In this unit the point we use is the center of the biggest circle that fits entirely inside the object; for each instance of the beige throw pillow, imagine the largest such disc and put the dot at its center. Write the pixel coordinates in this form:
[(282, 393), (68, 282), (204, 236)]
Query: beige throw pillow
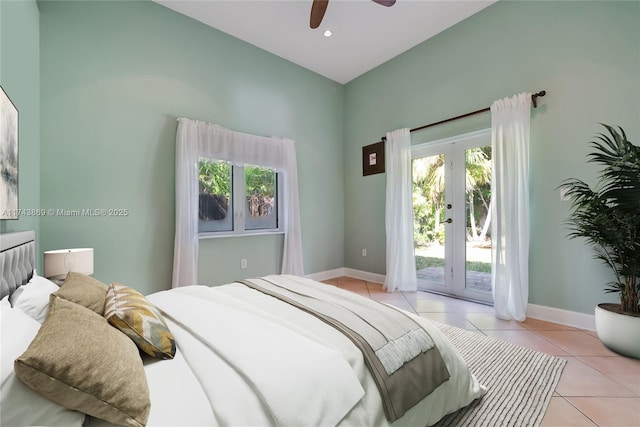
[(84, 290), (81, 362)]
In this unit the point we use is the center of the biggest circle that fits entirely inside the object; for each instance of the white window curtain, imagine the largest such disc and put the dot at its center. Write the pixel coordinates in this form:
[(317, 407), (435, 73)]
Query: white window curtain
[(510, 122), (401, 267), (200, 139)]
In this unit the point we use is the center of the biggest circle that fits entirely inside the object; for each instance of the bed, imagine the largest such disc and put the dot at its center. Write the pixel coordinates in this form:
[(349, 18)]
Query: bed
[(233, 355)]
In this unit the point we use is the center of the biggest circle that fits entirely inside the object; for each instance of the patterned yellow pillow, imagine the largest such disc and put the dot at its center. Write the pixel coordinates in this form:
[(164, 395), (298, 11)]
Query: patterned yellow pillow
[(130, 312)]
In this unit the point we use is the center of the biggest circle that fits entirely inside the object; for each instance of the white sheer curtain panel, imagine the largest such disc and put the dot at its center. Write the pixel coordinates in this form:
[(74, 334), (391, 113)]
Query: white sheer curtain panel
[(510, 122), (200, 139), (401, 267)]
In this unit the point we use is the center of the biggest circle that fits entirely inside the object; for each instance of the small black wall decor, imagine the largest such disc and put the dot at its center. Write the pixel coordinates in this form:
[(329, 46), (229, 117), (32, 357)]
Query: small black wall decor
[(373, 159)]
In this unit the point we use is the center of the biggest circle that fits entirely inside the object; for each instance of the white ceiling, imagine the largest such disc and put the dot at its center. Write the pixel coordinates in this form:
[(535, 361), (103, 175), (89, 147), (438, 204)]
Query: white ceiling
[(365, 34)]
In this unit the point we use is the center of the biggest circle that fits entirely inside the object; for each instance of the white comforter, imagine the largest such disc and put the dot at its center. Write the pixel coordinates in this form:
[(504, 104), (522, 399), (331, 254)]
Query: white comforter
[(246, 359)]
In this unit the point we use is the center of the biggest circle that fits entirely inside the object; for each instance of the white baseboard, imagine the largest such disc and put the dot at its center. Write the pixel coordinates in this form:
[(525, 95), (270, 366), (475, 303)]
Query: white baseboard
[(540, 312), (562, 317), (349, 272), (364, 275), (326, 275)]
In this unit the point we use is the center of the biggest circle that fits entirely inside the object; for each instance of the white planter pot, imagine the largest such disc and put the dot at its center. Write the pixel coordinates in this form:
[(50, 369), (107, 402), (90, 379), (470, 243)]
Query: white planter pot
[(619, 332)]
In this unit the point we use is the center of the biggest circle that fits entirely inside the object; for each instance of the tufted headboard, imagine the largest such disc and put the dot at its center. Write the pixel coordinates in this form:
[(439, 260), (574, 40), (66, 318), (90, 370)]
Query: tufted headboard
[(17, 260)]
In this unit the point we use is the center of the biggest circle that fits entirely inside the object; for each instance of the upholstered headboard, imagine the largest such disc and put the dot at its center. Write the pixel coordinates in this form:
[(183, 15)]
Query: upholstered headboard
[(17, 260)]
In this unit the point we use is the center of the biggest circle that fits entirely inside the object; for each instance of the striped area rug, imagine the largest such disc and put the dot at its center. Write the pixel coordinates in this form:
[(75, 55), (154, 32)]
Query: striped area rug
[(520, 381)]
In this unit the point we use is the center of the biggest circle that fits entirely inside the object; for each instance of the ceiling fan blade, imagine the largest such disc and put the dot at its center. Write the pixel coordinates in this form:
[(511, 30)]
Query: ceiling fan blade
[(387, 3), (318, 8)]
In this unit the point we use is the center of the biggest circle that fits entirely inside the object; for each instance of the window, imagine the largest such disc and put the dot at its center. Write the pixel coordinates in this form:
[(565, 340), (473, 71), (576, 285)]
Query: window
[(234, 200), (195, 140)]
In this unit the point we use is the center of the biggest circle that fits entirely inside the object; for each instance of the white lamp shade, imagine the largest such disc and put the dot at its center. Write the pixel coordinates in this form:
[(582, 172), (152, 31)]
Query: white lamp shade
[(60, 262)]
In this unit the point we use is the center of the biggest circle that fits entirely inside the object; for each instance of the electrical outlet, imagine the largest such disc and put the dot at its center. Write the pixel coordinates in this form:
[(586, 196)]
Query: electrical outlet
[(364, 252), (243, 263)]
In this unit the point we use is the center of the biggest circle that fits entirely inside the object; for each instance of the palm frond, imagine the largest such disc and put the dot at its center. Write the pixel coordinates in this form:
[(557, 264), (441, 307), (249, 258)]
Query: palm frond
[(608, 215)]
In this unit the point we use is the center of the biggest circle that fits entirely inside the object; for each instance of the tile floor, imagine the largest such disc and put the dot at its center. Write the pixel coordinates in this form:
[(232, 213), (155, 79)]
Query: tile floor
[(597, 387)]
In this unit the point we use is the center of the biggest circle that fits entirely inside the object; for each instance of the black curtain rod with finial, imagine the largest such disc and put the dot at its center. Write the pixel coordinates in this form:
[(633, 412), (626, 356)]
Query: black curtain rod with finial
[(534, 101)]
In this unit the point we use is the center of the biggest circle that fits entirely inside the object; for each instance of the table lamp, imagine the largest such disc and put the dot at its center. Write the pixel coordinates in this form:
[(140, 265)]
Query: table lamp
[(58, 263)]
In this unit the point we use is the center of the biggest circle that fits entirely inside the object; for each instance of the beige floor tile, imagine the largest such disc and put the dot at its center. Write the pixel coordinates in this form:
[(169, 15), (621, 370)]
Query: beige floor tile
[(624, 370), (526, 339), (470, 306), (473, 307), (577, 343), (354, 287), (376, 287), (425, 295), (581, 380), (404, 305), (458, 320), (609, 411), (333, 282), (412, 297), (430, 306), (388, 296), (347, 281), (488, 321), (561, 413), (541, 325), (449, 305)]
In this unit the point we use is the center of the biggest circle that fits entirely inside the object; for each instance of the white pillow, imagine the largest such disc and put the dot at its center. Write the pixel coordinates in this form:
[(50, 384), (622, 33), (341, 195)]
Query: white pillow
[(33, 298), (19, 405)]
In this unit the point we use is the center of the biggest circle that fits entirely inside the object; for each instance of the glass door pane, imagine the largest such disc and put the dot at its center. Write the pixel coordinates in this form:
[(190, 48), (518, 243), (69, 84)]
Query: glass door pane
[(429, 216), (478, 222)]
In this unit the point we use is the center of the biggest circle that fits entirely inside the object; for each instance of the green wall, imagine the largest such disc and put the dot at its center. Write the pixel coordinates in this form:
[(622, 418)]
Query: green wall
[(20, 78), (115, 76), (586, 55)]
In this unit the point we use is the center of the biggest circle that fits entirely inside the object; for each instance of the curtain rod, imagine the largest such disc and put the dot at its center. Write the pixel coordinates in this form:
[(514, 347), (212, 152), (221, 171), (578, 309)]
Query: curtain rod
[(534, 101)]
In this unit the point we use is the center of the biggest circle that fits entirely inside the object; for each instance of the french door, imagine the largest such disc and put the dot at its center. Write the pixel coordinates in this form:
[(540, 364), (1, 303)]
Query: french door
[(452, 215)]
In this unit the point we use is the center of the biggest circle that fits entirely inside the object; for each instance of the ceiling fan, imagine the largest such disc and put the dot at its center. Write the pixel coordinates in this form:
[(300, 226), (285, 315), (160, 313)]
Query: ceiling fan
[(319, 7)]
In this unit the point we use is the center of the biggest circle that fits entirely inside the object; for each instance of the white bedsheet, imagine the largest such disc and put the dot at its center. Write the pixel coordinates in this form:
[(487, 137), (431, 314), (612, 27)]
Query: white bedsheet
[(315, 375), (258, 357)]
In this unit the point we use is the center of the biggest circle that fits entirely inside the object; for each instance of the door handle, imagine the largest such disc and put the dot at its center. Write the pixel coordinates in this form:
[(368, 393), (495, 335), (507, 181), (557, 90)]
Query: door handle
[(448, 220)]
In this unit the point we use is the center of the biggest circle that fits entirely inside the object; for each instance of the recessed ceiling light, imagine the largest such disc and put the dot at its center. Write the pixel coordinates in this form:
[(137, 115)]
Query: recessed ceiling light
[(327, 33)]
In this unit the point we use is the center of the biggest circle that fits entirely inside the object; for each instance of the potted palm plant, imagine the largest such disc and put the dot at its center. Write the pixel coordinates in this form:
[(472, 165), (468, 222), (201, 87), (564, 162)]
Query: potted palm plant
[(608, 217)]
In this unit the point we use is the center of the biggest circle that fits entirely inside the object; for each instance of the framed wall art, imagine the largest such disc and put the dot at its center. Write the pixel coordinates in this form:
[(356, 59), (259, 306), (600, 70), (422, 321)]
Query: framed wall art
[(8, 157), (373, 159)]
